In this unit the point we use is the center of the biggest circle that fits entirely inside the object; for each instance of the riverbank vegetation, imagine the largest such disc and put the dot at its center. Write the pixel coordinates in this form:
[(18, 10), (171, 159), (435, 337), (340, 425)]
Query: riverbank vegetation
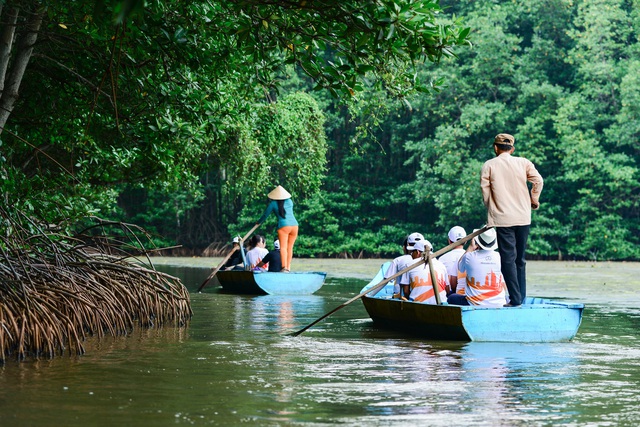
[(561, 76), (57, 289), (184, 112)]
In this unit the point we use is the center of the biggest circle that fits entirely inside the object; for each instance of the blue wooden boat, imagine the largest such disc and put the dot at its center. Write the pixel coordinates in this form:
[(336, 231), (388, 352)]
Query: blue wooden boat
[(268, 283), (537, 320)]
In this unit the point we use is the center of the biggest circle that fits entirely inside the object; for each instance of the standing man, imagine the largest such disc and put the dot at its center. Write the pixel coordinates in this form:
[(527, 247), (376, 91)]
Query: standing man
[(509, 202)]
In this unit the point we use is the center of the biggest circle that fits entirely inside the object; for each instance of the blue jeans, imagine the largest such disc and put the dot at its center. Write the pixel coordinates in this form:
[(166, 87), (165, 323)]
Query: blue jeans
[(512, 244)]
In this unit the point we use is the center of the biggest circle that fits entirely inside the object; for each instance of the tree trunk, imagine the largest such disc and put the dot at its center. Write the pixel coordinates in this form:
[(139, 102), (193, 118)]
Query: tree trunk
[(6, 42), (24, 50)]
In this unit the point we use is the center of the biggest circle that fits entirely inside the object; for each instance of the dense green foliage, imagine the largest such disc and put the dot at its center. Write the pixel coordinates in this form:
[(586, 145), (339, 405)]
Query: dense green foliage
[(164, 101), (191, 115), (562, 77), (279, 142)]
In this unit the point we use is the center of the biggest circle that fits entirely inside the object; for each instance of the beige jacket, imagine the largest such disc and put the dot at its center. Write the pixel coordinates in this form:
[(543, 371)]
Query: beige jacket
[(505, 192)]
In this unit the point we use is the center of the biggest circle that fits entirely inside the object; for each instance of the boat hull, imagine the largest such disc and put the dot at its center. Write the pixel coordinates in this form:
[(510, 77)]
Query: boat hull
[(269, 283), (537, 320)]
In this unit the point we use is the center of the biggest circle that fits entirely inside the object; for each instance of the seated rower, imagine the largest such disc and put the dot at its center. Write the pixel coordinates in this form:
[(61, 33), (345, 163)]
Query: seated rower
[(273, 259), (420, 277), (235, 261), (485, 285), (257, 251), (451, 258), (401, 283)]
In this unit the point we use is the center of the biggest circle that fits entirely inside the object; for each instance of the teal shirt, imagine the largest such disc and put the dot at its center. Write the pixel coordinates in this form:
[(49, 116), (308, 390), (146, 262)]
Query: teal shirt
[(290, 219)]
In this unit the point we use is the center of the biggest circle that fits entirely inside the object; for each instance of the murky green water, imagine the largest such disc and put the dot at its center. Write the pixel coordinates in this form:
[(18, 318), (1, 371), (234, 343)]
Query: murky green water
[(235, 365)]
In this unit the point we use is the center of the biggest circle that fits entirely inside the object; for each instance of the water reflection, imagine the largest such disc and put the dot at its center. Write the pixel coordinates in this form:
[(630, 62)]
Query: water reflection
[(413, 381), (275, 313), (512, 377), (235, 365)]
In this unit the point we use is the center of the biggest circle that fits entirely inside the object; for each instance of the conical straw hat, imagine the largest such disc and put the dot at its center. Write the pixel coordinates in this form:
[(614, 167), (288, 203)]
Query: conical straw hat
[(279, 193)]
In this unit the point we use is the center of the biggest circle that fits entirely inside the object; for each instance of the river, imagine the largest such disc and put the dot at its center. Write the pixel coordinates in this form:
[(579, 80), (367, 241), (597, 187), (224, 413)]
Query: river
[(235, 365)]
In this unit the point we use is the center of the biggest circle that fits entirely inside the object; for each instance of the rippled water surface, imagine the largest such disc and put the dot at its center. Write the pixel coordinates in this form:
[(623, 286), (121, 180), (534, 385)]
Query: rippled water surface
[(235, 365)]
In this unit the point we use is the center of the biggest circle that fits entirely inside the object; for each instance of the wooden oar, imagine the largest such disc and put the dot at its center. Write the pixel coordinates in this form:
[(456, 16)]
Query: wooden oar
[(235, 248), (388, 279), (434, 279)]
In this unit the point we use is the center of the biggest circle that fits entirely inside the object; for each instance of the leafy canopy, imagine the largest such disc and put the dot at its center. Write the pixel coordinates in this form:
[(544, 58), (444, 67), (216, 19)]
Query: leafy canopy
[(152, 94)]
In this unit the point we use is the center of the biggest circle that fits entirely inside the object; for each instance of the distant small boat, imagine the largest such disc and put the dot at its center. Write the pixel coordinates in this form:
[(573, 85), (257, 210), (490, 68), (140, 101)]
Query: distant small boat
[(537, 320), (269, 283)]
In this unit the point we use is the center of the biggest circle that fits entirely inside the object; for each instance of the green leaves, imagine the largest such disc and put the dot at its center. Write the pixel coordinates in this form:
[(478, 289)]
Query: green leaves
[(529, 73), (337, 43), (172, 98)]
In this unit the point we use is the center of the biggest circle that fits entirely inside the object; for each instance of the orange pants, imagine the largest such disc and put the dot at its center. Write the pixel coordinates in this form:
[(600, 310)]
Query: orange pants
[(287, 236)]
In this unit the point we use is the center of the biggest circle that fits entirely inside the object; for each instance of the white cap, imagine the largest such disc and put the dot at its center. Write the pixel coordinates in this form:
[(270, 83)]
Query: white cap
[(412, 239), (236, 239), (276, 244), (456, 233), (421, 245)]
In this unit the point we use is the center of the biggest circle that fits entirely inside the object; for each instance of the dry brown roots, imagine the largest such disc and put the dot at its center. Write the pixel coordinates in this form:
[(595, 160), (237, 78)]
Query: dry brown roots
[(56, 289)]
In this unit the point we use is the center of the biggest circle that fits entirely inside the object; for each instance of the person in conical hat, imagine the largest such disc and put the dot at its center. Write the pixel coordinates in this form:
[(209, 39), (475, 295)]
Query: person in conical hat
[(281, 205), (279, 193)]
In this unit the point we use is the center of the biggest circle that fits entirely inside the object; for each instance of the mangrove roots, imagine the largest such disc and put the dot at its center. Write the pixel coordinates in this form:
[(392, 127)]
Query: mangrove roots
[(58, 288)]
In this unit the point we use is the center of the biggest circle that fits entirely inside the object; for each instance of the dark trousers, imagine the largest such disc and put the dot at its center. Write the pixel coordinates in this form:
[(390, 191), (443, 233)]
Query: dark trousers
[(457, 299), (512, 244)]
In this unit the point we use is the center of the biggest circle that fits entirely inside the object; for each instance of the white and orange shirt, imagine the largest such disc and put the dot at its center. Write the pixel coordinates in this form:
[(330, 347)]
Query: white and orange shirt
[(485, 285), (462, 282), (398, 264), (450, 261), (420, 283)]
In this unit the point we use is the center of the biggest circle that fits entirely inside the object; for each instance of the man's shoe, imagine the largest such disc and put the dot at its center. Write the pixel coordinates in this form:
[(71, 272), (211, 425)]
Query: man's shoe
[(511, 305)]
